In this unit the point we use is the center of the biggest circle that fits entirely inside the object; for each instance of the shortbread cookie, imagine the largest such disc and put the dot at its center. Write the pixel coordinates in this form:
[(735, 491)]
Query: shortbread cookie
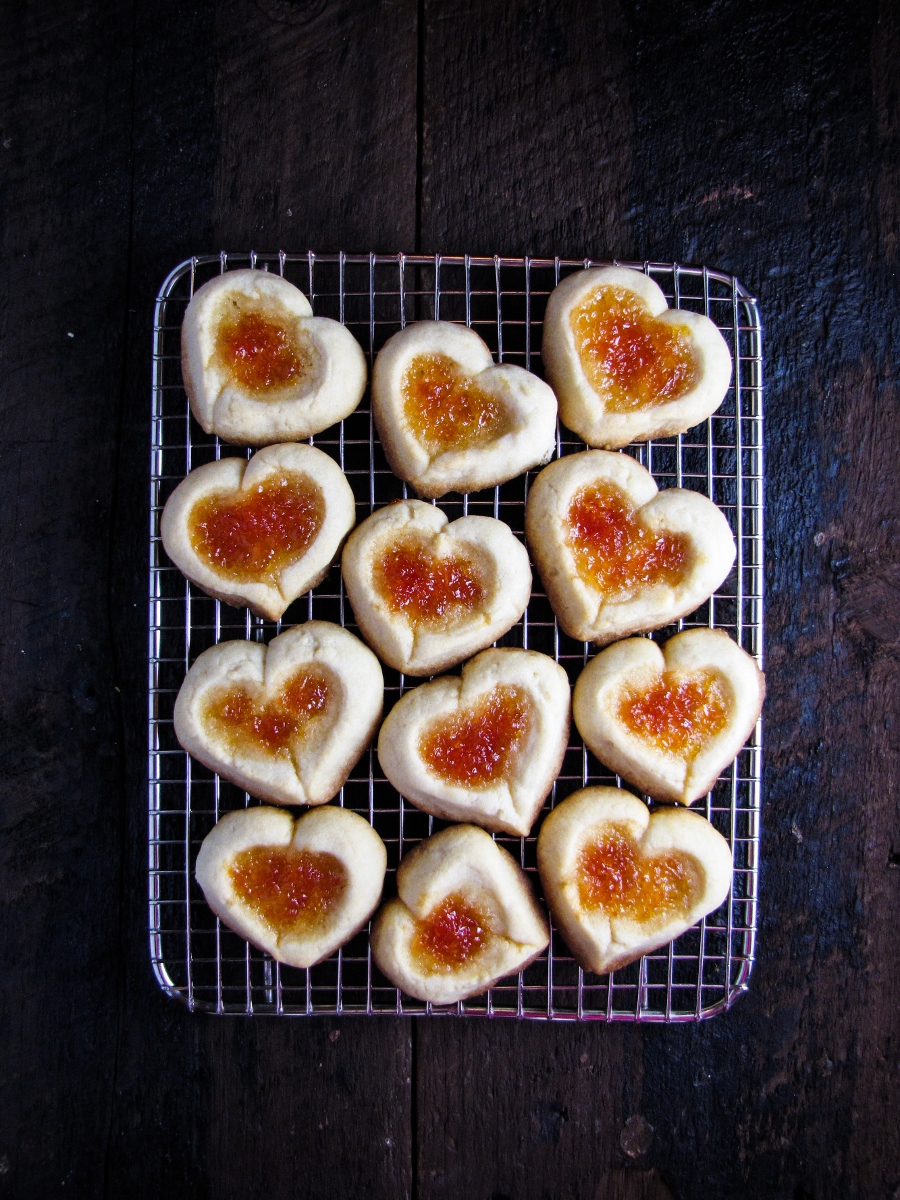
[(262, 532), (287, 721), (259, 368), (620, 881), (616, 555), (485, 747), (296, 888), (670, 719), (449, 419), (427, 594), (625, 367), (465, 916)]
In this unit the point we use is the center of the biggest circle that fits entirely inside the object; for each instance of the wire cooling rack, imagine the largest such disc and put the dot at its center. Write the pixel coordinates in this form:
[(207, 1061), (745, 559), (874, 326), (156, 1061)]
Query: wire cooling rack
[(200, 961)]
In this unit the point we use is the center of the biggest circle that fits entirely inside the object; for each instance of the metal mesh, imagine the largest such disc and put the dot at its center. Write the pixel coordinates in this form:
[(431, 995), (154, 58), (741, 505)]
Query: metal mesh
[(202, 962)]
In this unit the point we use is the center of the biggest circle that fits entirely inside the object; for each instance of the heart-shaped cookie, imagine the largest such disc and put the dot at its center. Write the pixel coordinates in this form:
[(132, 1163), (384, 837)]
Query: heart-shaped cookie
[(449, 419), (296, 888), (616, 555), (624, 366), (670, 719), (465, 916), (427, 594), (259, 368), (262, 532), (286, 721), (485, 747), (620, 881)]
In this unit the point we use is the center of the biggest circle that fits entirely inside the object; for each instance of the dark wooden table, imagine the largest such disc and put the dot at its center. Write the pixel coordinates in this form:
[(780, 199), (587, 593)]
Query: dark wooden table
[(763, 138)]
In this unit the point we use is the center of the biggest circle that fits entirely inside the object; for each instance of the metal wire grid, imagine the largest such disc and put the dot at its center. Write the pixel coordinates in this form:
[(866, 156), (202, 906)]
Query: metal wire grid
[(206, 965)]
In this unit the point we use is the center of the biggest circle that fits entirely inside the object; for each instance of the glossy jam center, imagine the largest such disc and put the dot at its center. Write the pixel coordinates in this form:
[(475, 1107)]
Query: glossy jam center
[(253, 535), (612, 877), (450, 936), (679, 713), (291, 890), (261, 348), (478, 747), (445, 409), (425, 588), (249, 723), (614, 551), (631, 359)]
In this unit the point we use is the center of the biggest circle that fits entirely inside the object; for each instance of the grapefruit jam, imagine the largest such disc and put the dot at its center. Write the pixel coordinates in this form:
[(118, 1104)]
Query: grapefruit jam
[(253, 535), (238, 716), (476, 748), (679, 713), (428, 589), (631, 359), (445, 409), (450, 936), (611, 877), (614, 551), (261, 349), (291, 890)]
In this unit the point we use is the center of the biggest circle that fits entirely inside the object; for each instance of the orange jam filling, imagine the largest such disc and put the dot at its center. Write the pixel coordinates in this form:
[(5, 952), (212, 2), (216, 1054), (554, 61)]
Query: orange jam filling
[(611, 877), (445, 409), (478, 747), (631, 359), (614, 551), (450, 936), (260, 347), (291, 890), (252, 536), (244, 722), (425, 588), (679, 713)]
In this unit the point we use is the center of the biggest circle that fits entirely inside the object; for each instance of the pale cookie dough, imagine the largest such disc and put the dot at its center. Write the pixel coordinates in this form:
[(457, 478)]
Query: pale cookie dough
[(307, 764), (512, 412), (505, 927), (502, 728), (236, 480), (607, 935), (588, 413), (335, 840), (330, 368), (670, 765), (584, 610), (494, 568)]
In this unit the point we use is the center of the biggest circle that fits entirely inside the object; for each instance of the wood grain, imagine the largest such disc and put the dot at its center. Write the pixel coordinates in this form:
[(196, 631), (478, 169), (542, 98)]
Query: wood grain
[(65, 204), (753, 135), (730, 135), (527, 148), (108, 1088), (249, 113)]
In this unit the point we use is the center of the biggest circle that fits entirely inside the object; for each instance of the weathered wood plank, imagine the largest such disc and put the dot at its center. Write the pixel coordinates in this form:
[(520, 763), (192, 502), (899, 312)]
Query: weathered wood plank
[(761, 139)]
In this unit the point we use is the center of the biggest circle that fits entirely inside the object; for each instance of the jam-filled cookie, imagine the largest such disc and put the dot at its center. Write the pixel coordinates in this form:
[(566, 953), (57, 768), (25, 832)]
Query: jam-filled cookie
[(485, 747), (262, 532), (287, 721), (452, 421), (625, 367), (296, 888), (616, 555), (620, 881), (259, 368), (427, 593), (464, 917), (669, 719)]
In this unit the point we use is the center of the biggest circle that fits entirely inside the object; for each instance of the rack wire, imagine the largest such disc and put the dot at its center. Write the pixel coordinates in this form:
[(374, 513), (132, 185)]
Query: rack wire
[(204, 964)]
